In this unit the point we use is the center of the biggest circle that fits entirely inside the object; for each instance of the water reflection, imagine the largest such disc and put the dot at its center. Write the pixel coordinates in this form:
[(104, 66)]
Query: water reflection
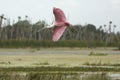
[(96, 77), (114, 76)]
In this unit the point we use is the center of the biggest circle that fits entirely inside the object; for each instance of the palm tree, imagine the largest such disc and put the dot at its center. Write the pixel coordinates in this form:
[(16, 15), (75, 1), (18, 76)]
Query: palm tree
[(114, 26), (1, 19), (26, 17), (19, 18), (110, 35), (101, 37), (110, 22), (105, 28)]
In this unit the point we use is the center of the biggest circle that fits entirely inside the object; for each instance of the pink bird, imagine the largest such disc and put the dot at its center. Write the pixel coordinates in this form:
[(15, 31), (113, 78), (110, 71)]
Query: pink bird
[(59, 25)]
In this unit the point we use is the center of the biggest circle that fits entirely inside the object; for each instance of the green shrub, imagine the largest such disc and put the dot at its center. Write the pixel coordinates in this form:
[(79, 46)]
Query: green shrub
[(43, 63), (49, 44), (119, 47)]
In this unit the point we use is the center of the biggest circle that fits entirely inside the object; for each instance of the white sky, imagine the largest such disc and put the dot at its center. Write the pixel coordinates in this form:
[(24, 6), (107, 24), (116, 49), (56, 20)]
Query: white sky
[(97, 12)]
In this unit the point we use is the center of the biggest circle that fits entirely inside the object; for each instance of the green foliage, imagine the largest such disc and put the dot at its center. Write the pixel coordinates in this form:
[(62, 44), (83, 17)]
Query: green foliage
[(49, 44), (90, 28), (43, 63), (25, 30), (6, 63), (119, 47), (59, 69), (101, 64)]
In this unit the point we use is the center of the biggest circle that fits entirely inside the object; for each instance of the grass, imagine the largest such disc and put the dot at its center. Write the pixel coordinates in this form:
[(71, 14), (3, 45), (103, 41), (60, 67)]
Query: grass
[(33, 60), (60, 69), (97, 49), (67, 66), (96, 54), (64, 60), (50, 44)]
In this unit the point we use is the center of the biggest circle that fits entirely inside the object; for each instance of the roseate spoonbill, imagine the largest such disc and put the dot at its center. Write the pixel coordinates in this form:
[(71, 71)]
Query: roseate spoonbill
[(59, 25)]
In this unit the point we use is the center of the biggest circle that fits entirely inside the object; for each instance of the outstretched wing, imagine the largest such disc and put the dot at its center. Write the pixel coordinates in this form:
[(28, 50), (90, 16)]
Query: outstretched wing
[(57, 32), (59, 15)]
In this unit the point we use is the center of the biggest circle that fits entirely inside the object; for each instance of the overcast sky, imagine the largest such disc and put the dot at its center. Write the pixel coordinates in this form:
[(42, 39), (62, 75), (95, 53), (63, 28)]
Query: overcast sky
[(97, 12)]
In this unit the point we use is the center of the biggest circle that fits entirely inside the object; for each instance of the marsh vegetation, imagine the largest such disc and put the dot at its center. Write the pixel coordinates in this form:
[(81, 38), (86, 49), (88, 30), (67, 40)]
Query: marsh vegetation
[(77, 64), (58, 76)]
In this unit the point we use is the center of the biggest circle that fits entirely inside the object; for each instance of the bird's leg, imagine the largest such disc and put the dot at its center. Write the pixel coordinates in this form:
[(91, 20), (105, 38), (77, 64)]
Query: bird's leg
[(41, 29), (50, 26)]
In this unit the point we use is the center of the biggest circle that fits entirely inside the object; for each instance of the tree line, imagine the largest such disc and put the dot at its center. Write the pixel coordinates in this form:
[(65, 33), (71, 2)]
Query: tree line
[(25, 30)]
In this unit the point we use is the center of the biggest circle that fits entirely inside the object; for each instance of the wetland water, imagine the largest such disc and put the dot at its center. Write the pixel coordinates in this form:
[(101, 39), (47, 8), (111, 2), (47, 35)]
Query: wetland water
[(60, 76), (59, 52)]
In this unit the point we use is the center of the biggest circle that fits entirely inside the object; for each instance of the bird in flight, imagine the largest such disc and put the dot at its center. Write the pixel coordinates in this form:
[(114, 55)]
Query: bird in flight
[(59, 25)]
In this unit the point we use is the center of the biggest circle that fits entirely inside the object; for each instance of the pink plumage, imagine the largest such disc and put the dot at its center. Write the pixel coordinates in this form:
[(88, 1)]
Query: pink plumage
[(60, 24)]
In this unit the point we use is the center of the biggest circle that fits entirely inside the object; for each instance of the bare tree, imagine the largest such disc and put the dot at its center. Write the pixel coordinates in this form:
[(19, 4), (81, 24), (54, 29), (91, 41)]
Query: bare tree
[(1, 20), (110, 26), (19, 18), (110, 35), (26, 17), (114, 26)]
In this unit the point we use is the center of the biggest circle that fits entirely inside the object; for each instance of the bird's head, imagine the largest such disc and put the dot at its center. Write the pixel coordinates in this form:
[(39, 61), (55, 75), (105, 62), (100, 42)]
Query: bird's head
[(55, 10)]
